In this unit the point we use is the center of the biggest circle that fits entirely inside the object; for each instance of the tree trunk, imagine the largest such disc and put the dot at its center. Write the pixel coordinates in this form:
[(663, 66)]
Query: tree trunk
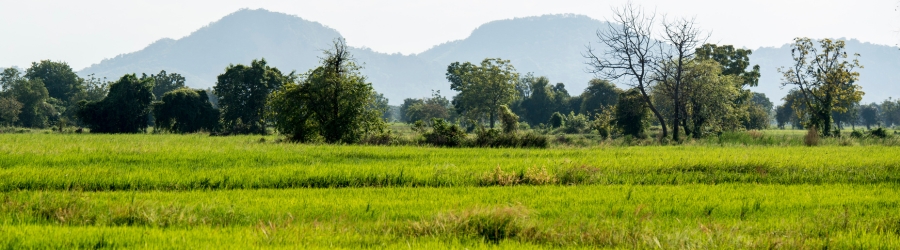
[(492, 120), (662, 121)]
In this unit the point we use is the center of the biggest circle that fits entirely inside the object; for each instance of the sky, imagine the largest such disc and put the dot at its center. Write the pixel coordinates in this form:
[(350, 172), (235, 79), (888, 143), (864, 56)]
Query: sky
[(85, 32)]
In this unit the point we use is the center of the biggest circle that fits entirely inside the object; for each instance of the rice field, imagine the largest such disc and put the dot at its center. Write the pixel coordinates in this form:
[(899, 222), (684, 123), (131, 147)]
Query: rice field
[(195, 191)]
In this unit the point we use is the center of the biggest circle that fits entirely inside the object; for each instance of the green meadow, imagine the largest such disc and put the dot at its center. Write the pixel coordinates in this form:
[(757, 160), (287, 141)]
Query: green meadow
[(196, 191)]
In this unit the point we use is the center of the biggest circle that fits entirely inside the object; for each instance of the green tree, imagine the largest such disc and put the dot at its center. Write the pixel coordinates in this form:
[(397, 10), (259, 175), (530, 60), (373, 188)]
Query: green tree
[(733, 62), (599, 94), (243, 92), (869, 115), (124, 110), (427, 109), (783, 114), (165, 82), (60, 80), (33, 96), (185, 111), (631, 113), (541, 103), (483, 88), (10, 109), (330, 102), (825, 79)]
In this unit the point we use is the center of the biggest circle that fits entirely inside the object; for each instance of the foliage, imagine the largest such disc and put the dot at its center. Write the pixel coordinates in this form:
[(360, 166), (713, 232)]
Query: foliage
[(243, 92), (542, 102), (509, 121), (812, 136), (483, 88), (10, 109), (758, 118), (426, 109), (495, 139), (733, 62), (60, 80), (332, 101), (576, 123), (444, 134), (33, 97), (124, 110), (557, 120), (825, 79), (599, 94), (604, 122), (185, 111), (878, 132), (631, 113), (165, 82)]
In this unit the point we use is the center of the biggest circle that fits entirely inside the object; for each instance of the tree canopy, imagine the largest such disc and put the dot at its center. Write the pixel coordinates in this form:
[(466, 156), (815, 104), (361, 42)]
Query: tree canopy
[(483, 88), (185, 111), (243, 91), (124, 110)]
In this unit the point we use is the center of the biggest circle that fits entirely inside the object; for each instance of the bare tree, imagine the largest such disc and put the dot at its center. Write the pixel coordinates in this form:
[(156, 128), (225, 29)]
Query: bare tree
[(631, 52), (681, 38)]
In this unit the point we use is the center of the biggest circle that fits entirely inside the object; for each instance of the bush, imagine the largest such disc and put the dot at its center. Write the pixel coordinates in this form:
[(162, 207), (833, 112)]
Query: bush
[(878, 132), (509, 120), (576, 124), (856, 134), (557, 120), (493, 138), (444, 134), (812, 136), (631, 113)]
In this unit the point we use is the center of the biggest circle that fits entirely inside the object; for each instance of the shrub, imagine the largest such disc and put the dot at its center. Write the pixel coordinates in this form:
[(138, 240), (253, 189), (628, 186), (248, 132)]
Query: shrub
[(495, 139), (576, 124), (444, 134), (557, 120), (812, 136), (509, 120), (878, 132), (856, 134), (538, 176), (498, 177), (631, 113)]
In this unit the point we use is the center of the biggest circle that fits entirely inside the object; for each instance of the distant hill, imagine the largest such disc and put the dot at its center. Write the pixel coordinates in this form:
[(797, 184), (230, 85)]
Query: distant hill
[(549, 45)]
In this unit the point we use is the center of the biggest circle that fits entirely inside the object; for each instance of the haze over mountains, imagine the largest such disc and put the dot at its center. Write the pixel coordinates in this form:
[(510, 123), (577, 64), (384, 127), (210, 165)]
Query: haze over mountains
[(550, 45)]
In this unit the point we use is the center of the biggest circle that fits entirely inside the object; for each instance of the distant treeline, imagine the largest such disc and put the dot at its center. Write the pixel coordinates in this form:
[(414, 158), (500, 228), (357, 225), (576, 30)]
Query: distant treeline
[(677, 84)]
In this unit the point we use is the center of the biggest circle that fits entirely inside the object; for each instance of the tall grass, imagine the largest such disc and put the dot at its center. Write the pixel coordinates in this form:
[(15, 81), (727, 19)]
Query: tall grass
[(175, 162)]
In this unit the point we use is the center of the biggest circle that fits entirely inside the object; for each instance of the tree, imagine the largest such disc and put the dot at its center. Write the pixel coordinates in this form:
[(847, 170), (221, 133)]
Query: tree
[(890, 112), (598, 94), (631, 112), (165, 82), (9, 110), (427, 109), (783, 114), (682, 38), (33, 96), (825, 79), (185, 111), (869, 115), (541, 103), (733, 61), (708, 99), (483, 89), (380, 103), (331, 101), (631, 53), (123, 110), (60, 80), (243, 92)]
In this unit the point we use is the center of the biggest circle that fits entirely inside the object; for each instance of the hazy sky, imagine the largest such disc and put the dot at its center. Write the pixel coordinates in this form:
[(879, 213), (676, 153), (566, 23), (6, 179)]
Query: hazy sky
[(86, 31)]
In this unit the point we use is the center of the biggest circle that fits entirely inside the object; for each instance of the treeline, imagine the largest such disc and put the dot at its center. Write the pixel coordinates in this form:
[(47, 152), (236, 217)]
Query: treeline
[(678, 86)]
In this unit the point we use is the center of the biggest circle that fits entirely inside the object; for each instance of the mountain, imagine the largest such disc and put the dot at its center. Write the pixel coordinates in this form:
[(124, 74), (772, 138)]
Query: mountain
[(549, 45)]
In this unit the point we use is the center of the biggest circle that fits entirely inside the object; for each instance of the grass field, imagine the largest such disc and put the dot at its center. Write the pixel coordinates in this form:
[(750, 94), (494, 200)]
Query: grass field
[(194, 191)]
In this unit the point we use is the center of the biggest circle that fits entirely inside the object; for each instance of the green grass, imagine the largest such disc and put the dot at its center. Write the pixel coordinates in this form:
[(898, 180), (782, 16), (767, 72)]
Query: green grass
[(195, 191), (689, 216)]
